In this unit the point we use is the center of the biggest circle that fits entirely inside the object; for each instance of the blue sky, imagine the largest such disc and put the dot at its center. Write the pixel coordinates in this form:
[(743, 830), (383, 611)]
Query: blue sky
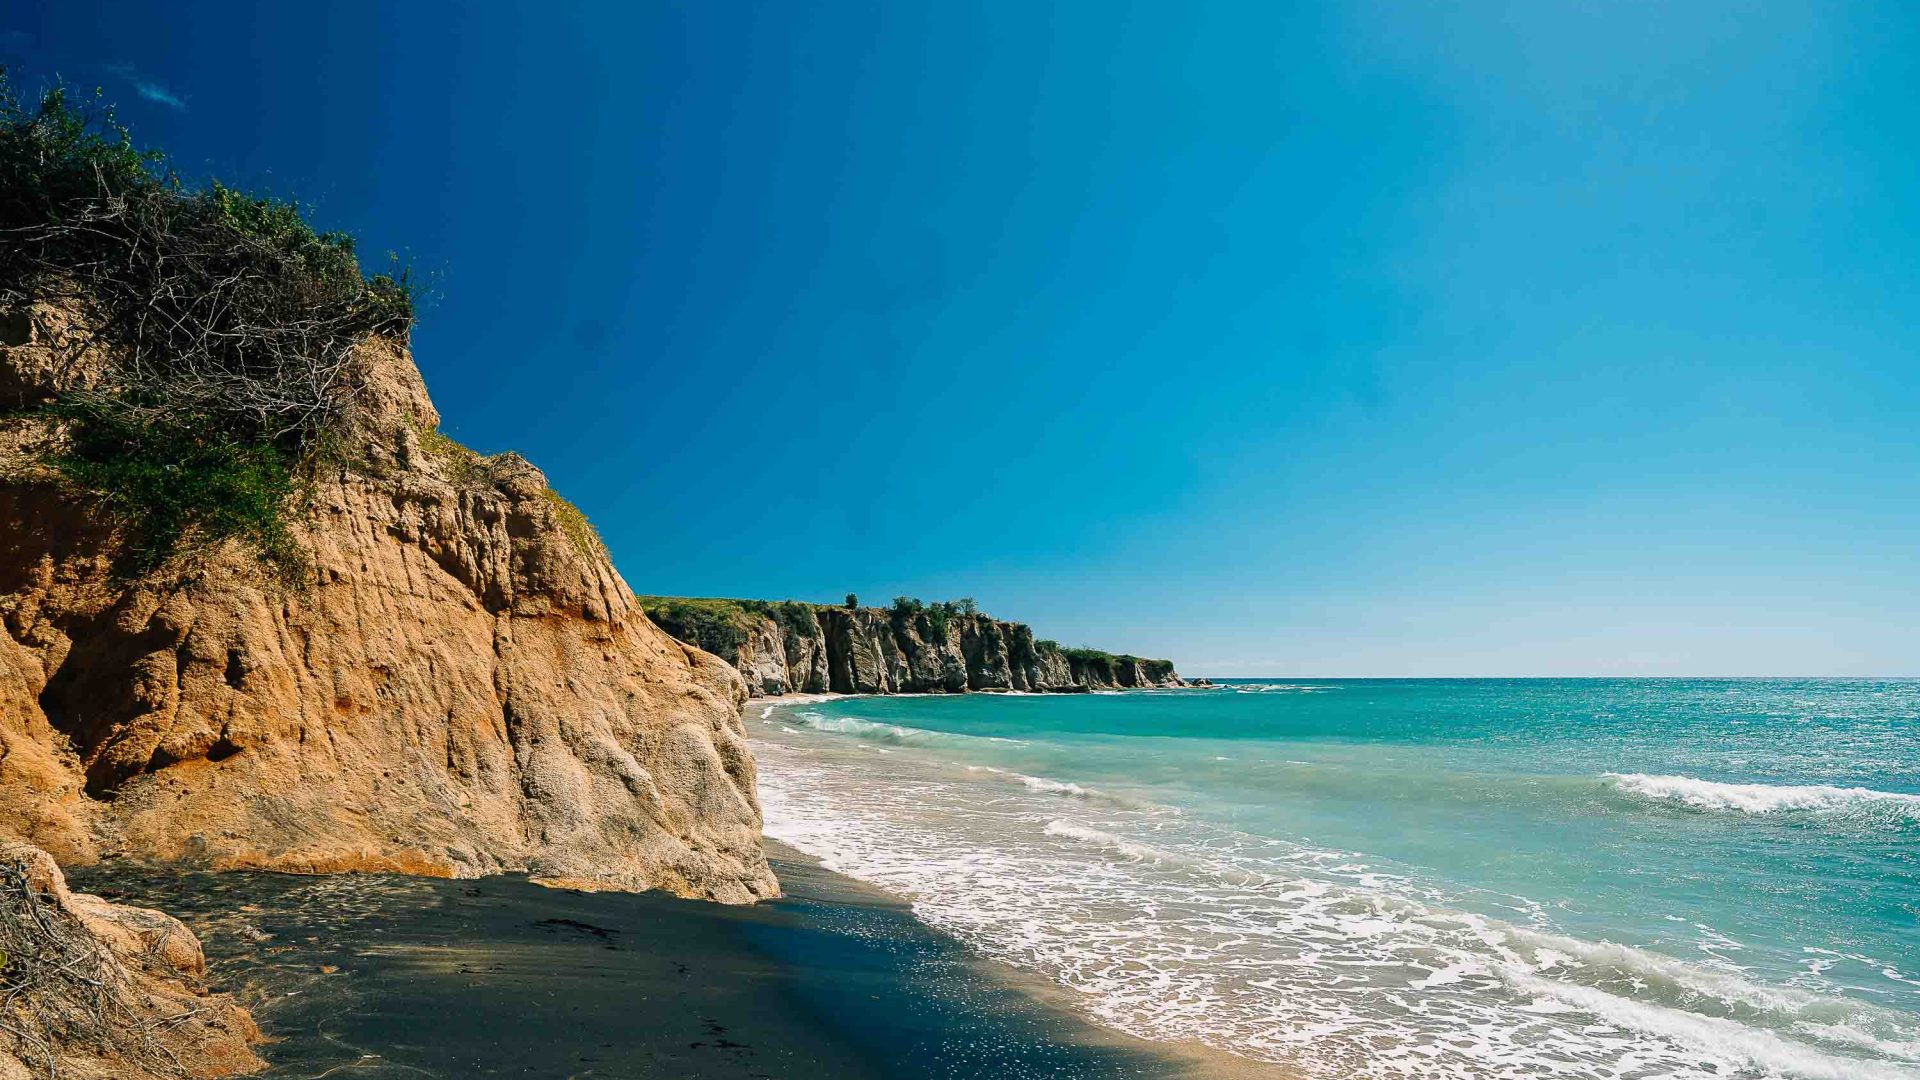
[(1320, 339)]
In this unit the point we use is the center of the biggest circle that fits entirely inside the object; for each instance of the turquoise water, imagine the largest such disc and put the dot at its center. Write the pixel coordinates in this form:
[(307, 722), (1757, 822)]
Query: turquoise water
[(1448, 878)]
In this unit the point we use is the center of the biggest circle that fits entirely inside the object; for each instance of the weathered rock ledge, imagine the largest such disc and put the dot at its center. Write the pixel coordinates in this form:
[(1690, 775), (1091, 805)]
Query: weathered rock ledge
[(791, 647)]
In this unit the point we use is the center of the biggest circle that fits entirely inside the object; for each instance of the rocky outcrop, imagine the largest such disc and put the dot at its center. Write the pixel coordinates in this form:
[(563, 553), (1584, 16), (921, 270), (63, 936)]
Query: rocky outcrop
[(461, 685), (99, 991), (803, 660), (762, 658), (865, 650)]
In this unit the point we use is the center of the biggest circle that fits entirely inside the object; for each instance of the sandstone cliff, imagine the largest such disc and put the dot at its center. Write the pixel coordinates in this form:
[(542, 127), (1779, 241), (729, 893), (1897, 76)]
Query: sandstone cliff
[(790, 647), (461, 684), (96, 991)]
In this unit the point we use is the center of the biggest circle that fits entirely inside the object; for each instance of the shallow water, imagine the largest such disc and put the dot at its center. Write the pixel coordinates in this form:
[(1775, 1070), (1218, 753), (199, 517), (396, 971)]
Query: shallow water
[(1450, 878)]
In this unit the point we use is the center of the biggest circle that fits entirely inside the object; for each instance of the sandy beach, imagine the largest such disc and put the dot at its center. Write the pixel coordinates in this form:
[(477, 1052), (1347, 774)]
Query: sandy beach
[(378, 977)]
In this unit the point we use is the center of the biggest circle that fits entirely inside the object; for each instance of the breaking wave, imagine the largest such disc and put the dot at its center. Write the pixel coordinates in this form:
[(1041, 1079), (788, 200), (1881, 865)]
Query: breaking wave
[(1121, 846), (1066, 789), (895, 734), (1766, 798)]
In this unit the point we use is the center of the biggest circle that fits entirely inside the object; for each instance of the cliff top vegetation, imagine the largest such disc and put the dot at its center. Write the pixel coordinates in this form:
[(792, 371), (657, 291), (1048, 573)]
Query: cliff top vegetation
[(230, 320), (230, 324)]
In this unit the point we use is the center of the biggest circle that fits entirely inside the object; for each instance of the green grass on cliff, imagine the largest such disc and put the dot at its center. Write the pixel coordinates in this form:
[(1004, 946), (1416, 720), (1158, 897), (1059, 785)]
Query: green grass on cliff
[(716, 625), (460, 463), (580, 532), (229, 318), (720, 625), (794, 617), (162, 480), (1157, 669), (1097, 656)]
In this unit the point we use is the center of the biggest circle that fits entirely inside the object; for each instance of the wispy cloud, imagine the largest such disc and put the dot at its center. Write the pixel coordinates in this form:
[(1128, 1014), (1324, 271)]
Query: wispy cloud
[(147, 88)]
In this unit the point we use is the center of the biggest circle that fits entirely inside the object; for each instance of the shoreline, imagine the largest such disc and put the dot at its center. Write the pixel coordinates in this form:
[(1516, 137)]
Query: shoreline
[(384, 976), (1188, 1059), (1030, 992)]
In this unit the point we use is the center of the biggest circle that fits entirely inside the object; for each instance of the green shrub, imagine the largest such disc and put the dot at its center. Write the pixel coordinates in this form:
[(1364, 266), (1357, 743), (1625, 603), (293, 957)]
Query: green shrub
[(793, 617), (853, 602), (165, 480), (56, 156), (1089, 656), (796, 618), (215, 299)]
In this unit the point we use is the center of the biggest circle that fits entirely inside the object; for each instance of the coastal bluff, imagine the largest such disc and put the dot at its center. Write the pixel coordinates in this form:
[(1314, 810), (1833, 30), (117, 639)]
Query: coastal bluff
[(457, 682), (783, 647)]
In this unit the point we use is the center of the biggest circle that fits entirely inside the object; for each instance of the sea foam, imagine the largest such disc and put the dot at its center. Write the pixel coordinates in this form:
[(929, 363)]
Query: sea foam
[(1177, 929)]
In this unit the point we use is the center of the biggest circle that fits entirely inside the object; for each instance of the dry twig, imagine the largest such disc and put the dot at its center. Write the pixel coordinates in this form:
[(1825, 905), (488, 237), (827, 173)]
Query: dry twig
[(62, 991)]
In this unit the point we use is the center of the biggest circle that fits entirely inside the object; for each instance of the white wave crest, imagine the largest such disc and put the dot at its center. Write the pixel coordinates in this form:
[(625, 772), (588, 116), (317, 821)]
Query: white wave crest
[(1625, 971), (1133, 851), (1756, 1052), (1764, 798), (895, 734), (1046, 786), (1067, 789), (1119, 845)]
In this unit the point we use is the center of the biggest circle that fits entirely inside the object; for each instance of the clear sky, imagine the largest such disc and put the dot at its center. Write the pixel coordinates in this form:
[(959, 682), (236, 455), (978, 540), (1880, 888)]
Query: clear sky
[(1315, 339)]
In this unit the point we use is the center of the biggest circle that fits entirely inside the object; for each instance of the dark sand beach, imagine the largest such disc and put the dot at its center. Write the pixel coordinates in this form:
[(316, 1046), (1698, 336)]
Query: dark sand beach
[(377, 977)]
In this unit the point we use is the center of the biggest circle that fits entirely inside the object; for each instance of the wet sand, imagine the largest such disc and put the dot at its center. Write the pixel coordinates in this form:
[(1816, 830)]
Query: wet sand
[(378, 977)]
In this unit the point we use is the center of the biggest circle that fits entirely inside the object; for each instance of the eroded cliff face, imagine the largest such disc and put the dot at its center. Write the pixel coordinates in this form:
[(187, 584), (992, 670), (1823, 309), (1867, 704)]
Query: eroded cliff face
[(881, 651), (463, 686)]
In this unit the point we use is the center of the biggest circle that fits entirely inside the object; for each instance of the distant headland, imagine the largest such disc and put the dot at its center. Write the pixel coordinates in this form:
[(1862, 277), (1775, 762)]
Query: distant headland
[(911, 647)]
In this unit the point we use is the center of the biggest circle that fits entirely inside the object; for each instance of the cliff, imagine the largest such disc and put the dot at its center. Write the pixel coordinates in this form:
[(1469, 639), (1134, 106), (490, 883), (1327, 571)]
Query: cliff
[(459, 682), (792, 647)]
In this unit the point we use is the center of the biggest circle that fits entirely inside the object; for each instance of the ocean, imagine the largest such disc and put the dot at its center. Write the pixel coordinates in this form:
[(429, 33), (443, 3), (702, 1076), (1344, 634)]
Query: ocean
[(1410, 878)]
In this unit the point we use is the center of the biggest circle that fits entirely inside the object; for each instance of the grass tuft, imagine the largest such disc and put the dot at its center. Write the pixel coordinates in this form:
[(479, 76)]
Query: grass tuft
[(580, 532), (461, 464)]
